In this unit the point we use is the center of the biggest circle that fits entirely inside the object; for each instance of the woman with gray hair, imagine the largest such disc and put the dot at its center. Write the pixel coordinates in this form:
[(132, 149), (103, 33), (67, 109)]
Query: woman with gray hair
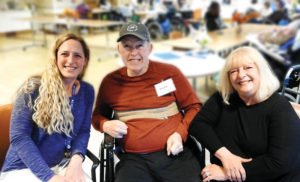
[(251, 131)]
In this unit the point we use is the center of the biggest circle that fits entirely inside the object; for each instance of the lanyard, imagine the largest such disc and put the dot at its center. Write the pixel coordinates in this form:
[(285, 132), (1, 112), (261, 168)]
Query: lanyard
[(69, 139), (72, 97)]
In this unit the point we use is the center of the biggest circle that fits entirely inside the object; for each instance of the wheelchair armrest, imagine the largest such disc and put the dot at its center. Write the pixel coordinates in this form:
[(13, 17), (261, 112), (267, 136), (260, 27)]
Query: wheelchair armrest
[(198, 150), (106, 155), (108, 141), (96, 163)]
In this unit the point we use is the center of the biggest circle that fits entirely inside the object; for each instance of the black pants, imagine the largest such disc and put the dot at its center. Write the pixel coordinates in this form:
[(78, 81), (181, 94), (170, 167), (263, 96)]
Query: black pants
[(158, 167)]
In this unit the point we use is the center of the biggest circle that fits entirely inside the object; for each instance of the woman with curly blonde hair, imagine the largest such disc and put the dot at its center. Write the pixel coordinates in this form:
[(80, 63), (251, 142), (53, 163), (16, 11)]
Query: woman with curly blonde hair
[(51, 118)]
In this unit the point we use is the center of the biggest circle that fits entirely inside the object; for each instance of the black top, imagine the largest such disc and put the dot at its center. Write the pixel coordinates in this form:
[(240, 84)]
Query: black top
[(268, 132)]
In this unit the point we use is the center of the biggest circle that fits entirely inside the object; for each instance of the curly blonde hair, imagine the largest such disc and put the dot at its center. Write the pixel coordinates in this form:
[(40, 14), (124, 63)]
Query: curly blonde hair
[(52, 110)]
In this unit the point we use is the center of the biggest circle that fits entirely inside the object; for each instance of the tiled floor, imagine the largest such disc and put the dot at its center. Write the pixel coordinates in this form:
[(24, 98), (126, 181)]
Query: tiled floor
[(16, 64)]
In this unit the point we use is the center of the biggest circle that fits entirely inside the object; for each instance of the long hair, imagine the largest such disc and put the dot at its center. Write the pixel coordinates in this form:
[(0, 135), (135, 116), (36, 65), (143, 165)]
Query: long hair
[(52, 111), (268, 81), (214, 8)]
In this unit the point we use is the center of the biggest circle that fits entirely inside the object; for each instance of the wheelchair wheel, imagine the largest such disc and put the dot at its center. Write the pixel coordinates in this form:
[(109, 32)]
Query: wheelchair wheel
[(155, 30)]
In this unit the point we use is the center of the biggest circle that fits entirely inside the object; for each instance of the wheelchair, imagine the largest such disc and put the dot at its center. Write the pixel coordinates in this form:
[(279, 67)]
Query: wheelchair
[(291, 84), (109, 148)]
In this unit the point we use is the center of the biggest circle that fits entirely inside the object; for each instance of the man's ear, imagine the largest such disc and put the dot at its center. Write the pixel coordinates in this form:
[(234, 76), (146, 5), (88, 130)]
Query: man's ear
[(151, 47), (118, 47)]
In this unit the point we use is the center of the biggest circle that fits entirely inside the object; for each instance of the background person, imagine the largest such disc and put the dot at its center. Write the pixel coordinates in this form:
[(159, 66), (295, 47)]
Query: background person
[(213, 18), (147, 98), (51, 118), (251, 130)]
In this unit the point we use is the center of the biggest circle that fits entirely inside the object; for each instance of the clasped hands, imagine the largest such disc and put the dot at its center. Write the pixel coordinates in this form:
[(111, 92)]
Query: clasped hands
[(232, 169), (118, 129)]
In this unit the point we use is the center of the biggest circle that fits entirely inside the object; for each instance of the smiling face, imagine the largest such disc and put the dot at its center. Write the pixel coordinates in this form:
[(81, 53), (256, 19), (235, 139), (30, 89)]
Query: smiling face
[(245, 79), (70, 60), (134, 53)]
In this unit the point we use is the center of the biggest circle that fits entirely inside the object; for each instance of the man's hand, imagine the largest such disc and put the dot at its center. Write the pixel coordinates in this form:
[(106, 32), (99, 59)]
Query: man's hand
[(174, 144), (232, 164), (58, 178), (213, 172), (115, 128)]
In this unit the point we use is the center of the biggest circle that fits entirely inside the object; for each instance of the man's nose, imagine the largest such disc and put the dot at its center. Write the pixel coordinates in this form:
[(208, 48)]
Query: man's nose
[(134, 50)]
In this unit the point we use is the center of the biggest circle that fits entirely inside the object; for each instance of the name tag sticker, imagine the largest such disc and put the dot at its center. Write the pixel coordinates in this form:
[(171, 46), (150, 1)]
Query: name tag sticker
[(165, 87)]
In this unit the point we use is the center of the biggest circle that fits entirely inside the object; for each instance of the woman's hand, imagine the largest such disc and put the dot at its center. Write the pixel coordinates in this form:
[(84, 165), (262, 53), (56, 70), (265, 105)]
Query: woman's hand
[(115, 128), (74, 171), (174, 144), (232, 164), (213, 172), (58, 178)]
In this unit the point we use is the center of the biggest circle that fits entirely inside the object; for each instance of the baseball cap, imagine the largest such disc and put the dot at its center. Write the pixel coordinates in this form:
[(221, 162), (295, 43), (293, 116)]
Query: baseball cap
[(136, 29)]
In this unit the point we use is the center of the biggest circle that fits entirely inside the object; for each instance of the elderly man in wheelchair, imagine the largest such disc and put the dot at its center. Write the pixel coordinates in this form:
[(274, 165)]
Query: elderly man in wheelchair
[(147, 106)]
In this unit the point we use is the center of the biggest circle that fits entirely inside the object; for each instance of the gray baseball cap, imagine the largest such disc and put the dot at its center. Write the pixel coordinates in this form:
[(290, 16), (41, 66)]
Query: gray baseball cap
[(136, 29)]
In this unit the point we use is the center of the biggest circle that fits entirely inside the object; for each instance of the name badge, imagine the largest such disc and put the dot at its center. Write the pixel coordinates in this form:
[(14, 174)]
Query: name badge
[(165, 87)]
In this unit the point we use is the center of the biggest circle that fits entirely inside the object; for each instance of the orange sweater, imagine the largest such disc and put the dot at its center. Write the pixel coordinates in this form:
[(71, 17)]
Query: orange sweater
[(122, 93)]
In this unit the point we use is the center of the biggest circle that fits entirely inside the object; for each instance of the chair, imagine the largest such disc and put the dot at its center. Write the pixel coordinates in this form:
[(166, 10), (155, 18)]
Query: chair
[(175, 34), (291, 84), (109, 148), (5, 114)]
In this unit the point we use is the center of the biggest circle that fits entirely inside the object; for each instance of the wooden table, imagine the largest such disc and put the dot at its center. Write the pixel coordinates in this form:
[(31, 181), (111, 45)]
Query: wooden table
[(221, 41)]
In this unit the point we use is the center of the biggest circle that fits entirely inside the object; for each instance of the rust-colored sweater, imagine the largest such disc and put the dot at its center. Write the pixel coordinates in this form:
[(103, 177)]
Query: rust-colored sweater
[(122, 93)]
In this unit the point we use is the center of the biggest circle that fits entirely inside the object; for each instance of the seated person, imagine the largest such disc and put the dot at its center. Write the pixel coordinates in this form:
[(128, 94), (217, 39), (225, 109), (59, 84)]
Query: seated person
[(70, 13), (251, 14), (280, 14), (280, 46), (83, 10), (213, 17), (280, 34), (51, 119), (141, 5), (251, 131), (105, 5), (153, 104), (266, 10)]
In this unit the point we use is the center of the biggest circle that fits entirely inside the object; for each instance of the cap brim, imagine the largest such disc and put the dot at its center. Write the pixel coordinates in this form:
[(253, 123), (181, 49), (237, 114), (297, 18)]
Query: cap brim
[(133, 34)]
